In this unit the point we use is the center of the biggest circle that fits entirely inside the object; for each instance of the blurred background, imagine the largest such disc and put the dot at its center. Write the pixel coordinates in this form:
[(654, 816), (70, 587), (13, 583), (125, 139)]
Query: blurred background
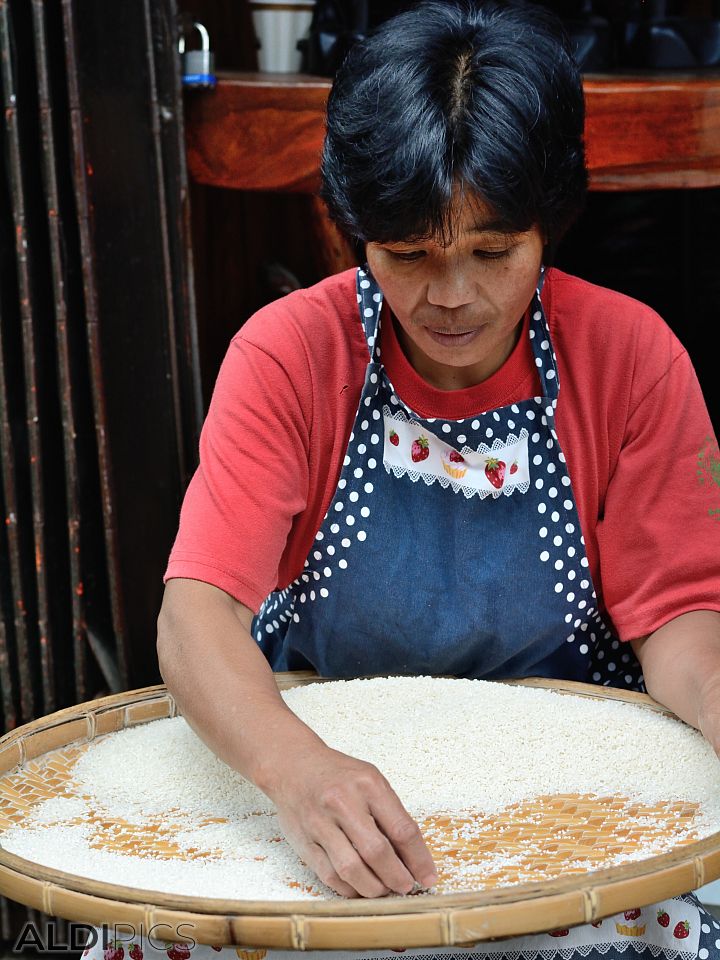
[(150, 201)]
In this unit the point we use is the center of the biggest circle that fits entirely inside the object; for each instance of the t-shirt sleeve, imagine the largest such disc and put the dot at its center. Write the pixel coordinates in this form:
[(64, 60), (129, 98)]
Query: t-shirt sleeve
[(659, 536), (252, 478)]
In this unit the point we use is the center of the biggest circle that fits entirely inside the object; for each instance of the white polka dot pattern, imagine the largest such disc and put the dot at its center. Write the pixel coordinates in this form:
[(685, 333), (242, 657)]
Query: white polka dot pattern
[(352, 536)]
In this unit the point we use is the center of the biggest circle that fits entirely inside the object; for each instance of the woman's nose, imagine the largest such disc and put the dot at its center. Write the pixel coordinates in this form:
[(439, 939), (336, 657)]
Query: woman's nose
[(451, 287)]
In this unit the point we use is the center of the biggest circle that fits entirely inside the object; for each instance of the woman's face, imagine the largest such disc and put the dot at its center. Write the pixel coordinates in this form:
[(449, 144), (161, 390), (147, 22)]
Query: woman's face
[(459, 307)]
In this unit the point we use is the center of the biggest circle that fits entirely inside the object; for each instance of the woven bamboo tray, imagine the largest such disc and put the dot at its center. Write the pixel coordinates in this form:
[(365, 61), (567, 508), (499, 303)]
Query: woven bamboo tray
[(34, 765)]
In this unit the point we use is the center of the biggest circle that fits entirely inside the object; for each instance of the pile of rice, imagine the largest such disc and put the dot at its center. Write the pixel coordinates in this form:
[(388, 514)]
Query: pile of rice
[(455, 747)]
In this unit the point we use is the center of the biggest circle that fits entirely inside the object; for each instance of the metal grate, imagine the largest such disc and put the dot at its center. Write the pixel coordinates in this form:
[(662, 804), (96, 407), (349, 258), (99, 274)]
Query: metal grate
[(99, 384)]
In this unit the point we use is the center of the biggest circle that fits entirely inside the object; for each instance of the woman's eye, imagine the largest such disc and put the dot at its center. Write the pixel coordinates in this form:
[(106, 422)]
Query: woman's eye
[(492, 254), (408, 256)]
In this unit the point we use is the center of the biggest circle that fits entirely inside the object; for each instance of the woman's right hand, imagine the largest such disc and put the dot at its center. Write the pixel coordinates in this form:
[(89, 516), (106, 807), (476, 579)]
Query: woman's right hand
[(339, 814), (344, 820)]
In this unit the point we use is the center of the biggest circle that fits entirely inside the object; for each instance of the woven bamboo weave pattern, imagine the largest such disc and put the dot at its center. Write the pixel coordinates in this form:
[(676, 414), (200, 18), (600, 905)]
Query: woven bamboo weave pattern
[(541, 839), (36, 765)]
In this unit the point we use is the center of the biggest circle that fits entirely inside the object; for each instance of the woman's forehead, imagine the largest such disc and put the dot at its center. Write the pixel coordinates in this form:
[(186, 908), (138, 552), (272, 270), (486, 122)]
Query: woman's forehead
[(468, 214), (466, 217)]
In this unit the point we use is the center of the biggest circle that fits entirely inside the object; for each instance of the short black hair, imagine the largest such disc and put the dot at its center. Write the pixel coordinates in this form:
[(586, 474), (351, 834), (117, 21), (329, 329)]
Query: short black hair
[(484, 96)]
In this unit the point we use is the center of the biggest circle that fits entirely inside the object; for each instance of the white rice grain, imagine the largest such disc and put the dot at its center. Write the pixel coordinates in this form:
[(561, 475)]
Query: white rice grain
[(446, 746)]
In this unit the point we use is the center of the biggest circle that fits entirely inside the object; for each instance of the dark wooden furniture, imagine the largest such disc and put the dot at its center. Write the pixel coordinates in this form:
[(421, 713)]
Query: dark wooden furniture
[(264, 131)]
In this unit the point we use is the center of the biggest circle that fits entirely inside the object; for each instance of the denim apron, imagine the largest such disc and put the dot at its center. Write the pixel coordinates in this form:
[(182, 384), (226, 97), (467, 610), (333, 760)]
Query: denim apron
[(451, 547)]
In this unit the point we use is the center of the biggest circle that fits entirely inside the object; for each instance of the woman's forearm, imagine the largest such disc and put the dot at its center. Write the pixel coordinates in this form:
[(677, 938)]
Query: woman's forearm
[(339, 814), (681, 666), (223, 684)]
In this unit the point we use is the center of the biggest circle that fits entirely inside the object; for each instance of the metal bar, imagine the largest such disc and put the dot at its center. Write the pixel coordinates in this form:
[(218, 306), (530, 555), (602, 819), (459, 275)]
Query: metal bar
[(8, 717), (8, 682), (43, 423), (81, 172), (167, 75), (88, 586), (106, 660), (11, 414), (154, 107), (66, 387), (12, 607), (136, 290)]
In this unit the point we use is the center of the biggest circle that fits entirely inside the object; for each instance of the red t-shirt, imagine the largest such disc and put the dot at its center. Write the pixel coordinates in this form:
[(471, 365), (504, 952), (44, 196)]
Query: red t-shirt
[(630, 419)]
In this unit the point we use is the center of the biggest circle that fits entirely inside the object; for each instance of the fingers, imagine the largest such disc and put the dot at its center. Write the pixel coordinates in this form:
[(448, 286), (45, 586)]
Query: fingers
[(316, 858), (382, 832), (350, 827), (340, 867), (336, 862), (350, 866), (405, 837), (379, 854)]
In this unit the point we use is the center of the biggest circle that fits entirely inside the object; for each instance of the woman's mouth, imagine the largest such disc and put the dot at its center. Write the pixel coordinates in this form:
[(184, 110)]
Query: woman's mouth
[(453, 338)]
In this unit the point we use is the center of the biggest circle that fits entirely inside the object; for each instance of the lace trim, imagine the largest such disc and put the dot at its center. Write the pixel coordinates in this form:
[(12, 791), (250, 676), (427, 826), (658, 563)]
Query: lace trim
[(513, 451), (552, 953), (454, 485)]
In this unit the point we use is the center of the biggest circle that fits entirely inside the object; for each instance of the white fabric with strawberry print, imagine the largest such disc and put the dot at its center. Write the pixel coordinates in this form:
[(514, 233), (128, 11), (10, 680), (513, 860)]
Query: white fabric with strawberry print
[(490, 471), (676, 929)]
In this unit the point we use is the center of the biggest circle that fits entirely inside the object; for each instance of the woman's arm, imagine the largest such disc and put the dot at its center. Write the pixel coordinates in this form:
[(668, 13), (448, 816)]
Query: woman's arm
[(340, 814), (681, 665)]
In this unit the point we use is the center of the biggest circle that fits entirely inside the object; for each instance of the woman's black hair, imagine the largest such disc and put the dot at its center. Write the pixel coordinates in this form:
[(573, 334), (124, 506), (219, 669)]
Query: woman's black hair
[(480, 96)]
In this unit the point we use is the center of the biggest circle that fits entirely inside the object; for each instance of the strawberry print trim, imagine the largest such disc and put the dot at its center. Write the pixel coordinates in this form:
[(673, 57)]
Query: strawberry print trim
[(411, 449), (178, 951)]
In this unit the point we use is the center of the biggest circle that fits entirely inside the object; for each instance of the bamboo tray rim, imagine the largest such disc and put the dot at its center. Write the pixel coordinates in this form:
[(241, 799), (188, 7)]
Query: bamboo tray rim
[(685, 862)]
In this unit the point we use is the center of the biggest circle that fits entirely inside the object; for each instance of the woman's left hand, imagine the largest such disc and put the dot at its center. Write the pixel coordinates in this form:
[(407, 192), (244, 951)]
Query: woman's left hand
[(681, 667), (709, 712)]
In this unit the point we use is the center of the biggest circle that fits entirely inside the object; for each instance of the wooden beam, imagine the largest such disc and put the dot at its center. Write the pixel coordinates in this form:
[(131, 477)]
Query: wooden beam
[(653, 132), (265, 131)]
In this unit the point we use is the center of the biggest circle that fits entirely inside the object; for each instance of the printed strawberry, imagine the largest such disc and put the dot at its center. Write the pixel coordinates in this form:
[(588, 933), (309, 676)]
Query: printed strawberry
[(420, 449), (178, 951), (632, 914), (495, 472), (596, 924), (455, 457), (559, 933), (681, 930), (135, 952), (216, 949), (394, 438), (114, 951), (663, 918), (513, 467)]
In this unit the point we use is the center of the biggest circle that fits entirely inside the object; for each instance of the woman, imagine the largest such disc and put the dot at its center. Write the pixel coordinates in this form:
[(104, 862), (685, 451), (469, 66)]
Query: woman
[(455, 461)]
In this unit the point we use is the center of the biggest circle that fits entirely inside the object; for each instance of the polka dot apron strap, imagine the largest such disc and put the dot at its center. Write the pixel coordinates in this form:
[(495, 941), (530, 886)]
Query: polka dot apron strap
[(370, 301)]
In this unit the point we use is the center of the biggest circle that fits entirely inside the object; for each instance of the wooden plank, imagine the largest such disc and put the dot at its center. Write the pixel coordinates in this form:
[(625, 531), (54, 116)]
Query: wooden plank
[(658, 132), (258, 132), (644, 132)]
